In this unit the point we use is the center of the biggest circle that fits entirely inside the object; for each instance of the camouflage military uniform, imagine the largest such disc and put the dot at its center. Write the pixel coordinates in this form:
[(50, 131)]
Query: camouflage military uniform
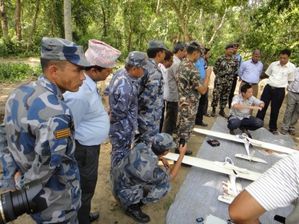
[(123, 102), (225, 70), (188, 82), (150, 102), (138, 178), (8, 164), (38, 126)]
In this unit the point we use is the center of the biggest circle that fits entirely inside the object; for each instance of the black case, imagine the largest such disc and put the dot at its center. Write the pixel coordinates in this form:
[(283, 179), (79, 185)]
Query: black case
[(213, 142)]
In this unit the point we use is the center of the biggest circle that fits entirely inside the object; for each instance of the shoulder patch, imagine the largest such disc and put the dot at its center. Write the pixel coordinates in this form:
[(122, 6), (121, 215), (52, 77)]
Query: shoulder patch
[(63, 133)]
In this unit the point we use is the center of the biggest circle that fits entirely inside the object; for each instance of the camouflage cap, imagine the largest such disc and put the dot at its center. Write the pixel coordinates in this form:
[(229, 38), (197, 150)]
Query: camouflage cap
[(136, 58), (101, 54), (154, 44), (63, 50), (162, 142), (179, 46)]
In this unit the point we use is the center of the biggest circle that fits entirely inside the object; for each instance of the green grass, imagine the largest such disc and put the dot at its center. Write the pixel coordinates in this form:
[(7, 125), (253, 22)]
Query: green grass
[(17, 71)]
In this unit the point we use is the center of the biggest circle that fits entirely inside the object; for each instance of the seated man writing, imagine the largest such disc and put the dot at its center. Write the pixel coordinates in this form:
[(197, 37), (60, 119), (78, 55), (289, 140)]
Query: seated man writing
[(240, 113)]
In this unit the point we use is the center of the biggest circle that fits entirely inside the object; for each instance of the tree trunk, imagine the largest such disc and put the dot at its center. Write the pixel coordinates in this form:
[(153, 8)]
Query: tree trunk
[(18, 20), (4, 24), (67, 13), (201, 25), (32, 32), (218, 28), (105, 29)]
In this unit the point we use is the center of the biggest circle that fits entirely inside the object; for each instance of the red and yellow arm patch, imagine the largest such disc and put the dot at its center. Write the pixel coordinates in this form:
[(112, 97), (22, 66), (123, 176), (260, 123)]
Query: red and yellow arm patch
[(63, 133)]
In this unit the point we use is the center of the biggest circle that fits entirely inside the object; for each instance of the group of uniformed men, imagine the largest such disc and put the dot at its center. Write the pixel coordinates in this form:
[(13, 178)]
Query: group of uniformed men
[(54, 127)]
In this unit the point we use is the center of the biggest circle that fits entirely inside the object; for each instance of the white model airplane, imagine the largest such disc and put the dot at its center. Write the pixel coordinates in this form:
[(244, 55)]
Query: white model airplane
[(216, 166), (247, 142), (231, 188)]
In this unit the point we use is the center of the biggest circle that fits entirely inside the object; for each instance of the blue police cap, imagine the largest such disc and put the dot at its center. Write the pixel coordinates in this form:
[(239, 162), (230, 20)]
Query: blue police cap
[(63, 50), (154, 44), (136, 58), (162, 142)]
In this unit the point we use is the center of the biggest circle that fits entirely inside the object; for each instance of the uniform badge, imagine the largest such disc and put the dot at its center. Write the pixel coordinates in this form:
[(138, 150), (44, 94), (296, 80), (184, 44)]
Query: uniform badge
[(63, 133)]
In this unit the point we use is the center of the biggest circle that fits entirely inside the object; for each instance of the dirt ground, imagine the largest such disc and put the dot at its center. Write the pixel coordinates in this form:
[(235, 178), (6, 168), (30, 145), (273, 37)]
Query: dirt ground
[(103, 201)]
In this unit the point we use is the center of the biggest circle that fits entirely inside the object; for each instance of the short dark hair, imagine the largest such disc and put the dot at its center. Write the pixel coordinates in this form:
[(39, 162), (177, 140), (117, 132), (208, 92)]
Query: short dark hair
[(45, 63), (285, 51), (207, 50), (179, 46), (95, 67), (168, 55), (245, 87), (159, 152), (128, 67), (193, 46), (152, 52), (256, 51)]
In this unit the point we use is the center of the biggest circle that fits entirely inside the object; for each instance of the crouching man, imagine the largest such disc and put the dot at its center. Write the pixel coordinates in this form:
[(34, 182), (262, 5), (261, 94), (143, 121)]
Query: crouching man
[(240, 114), (137, 179)]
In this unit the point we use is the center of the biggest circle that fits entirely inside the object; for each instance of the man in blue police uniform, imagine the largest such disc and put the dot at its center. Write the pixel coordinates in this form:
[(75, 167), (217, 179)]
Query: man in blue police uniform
[(39, 128), (123, 100), (91, 121), (150, 99), (138, 180)]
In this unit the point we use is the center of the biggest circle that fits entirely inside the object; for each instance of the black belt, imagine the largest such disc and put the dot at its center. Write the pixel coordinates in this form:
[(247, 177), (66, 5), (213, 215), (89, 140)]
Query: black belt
[(252, 84), (272, 87)]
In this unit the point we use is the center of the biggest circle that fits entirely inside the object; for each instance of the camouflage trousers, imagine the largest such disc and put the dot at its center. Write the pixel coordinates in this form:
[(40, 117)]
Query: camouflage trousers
[(222, 88), (121, 140), (148, 128), (129, 190), (186, 120)]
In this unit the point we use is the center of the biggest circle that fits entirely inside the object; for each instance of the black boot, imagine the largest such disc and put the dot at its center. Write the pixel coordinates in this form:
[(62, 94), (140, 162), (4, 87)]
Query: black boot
[(134, 211), (245, 131), (213, 113), (232, 131), (222, 113), (93, 216)]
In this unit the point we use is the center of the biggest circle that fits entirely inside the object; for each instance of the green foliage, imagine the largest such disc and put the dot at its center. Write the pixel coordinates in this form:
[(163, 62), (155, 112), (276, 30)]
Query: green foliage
[(20, 71), (127, 25), (10, 48)]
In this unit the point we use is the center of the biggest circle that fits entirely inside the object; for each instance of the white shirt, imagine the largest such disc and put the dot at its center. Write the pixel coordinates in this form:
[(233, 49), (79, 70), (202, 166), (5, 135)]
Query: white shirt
[(171, 93), (245, 112), (278, 186), (294, 86), (164, 75), (90, 118), (279, 76)]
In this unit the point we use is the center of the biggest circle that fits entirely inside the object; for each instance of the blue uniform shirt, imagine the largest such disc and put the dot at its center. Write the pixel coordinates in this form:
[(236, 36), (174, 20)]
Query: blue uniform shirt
[(150, 102), (90, 118), (39, 129), (123, 93), (200, 65)]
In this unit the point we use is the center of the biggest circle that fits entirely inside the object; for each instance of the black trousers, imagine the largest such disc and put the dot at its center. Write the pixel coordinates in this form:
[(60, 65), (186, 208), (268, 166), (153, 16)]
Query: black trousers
[(232, 91), (251, 123), (162, 117), (276, 96), (88, 161), (202, 107), (171, 115)]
